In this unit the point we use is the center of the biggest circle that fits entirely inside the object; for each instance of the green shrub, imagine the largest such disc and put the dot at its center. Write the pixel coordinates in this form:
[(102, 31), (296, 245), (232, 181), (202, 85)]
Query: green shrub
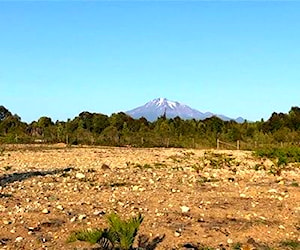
[(92, 236), (237, 246), (283, 155), (145, 166), (295, 184), (217, 161), (291, 244), (120, 234)]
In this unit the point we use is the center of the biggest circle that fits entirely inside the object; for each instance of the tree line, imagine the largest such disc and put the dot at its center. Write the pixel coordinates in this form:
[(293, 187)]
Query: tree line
[(119, 129)]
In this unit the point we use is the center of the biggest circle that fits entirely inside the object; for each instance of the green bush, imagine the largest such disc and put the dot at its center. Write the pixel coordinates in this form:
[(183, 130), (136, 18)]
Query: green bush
[(283, 155), (123, 232), (120, 234), (291, 244), (92, 236)]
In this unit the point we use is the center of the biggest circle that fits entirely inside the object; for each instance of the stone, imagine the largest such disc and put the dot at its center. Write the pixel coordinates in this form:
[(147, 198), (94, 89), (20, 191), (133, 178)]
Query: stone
[(248, 217), (229, 241), (272, 191), (105, 167), (177, 234), (60, 207), (184, 209), (19, 239), (80, 176), (98, 212), (81, 217), (45, 211), (6, 222)]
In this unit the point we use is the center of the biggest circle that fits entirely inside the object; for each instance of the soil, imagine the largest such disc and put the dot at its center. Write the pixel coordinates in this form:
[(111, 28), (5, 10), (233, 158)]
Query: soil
[(189, 198)]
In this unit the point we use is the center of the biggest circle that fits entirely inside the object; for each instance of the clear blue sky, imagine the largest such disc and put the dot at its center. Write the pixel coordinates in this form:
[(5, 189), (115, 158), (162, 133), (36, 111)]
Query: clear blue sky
[(236, 58)]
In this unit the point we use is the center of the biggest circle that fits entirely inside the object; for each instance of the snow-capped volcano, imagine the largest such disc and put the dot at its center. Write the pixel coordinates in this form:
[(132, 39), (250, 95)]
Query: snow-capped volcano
[(162, 103), (160, 106)]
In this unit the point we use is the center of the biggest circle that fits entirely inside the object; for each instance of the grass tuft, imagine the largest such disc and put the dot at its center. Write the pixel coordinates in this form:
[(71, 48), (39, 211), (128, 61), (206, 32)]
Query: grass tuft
[(88, 235), (291, 244)]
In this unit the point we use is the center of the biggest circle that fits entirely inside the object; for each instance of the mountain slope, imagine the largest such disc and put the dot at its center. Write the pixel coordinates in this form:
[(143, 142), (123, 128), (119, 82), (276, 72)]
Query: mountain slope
[(160, 106)]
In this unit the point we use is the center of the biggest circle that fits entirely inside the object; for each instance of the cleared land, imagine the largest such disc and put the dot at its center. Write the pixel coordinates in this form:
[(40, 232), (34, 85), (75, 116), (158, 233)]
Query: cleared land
[(201, 197)]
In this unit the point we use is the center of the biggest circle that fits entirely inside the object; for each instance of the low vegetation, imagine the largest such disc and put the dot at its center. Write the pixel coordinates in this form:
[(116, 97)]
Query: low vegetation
[(121, 130), (290, 244), (120, 234), (282, 155)]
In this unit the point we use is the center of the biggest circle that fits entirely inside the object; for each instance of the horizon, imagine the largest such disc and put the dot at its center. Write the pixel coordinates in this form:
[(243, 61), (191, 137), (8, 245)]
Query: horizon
[(127, 112), (60, 58)]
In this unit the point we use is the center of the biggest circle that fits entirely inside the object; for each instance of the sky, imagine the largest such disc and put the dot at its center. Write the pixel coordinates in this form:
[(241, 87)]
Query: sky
[(236, 58)]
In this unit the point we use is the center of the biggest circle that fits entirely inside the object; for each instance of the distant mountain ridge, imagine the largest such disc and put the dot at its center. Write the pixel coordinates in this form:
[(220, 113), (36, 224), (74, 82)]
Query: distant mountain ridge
[(160, 106)]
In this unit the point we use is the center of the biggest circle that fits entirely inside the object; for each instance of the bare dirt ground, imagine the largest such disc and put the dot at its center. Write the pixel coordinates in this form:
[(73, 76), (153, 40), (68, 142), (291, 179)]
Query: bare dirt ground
[(193, 197)]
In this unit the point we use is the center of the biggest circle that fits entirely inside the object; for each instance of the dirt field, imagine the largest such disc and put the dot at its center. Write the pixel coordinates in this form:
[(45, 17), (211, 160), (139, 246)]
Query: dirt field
[(195, 198)]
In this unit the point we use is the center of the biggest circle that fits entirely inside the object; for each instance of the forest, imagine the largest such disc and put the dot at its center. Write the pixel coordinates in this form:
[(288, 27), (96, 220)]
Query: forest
[(120, 129)]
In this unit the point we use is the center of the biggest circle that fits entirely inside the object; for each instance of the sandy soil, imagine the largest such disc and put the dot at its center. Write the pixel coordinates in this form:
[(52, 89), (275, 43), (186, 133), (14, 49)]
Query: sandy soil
[(201, 197)]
